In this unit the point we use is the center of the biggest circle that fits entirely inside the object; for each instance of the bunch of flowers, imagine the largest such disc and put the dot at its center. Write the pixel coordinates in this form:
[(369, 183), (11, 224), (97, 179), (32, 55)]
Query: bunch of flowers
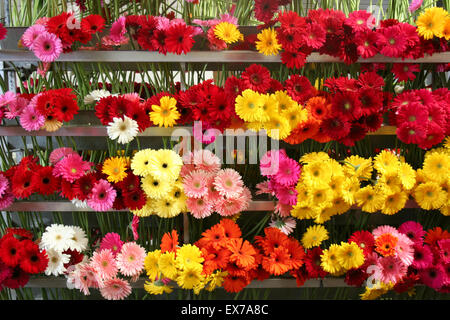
[(282, 175), (108, 268), (331, 32), (64, 246), (20, 257), (210, 189), (46, 110), (421, 116), (49, 37), (398, 259), (154, 33), (158, 174)]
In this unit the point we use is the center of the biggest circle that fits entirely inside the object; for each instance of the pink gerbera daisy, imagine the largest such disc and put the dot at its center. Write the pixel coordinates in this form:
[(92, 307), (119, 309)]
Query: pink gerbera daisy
[(102, 196), (433, 276), (288, 172), (59, 154), (206, 160), (47, 47), (413, 230), (444, 250), (423, 257), (16, 107), (4, 184), (31, 119), (200, 208), (6, 200), (286, 195), (263, 188), (111, 241), (270, 162), (228, 207), (391, 269), (104, 263), (283, 210), (86, 278), (130, 260), (229, 183), (31, 34), (71, 167), (195, 184), (384, 229), (404, 249), (213, 195), (115, 289)]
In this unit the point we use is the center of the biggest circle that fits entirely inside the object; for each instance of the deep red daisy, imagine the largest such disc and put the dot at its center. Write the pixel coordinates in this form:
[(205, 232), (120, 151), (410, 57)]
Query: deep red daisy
[(18, 279), (405, 71), (290, 21), (370, 79), (312, 263), (146, 34), (21, 184), (44, 182), (67, 190), (21, 233), (65, 104), (158, 41), (348, 51), (219, 107), (366, 43), (437, 114), (300, 275), (179, 38), (357, 132), (3, 31), (372, 121), (34, 261), (137, 112), (371, 101), (102, 109), (75, 257), (93, 23), (435, 134), (346, 104), (257, 78), (411, 132), (118, 107), (299, 88), (119, 203), (392, 42), (293, 59), (130, 184), (265, 9), (289, 39), (11, 251), (355, 277), (314, 35), (234, 87), (83, 186), (336, 127), (135, 200), (412, 113)]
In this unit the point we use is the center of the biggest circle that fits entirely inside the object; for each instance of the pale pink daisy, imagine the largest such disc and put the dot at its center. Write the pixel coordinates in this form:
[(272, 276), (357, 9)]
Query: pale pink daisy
[(195, 184), (86, 278), (6, 200), (130, 260), (71, 167), (404, 249), (199, 208), (31, 119), (60, 153), (284, 210), (104, 263), (415, 4), (31, 34), (206, 160), (391, 269), (162, 23), (43, 21), (263, 188), (213, 195), (229, 183), (186, 169), (384, 229), (229, 207), (132, 97), (115, 289), (112, 242), (4, 185), (47, 47), (102, 196), (16, 107)]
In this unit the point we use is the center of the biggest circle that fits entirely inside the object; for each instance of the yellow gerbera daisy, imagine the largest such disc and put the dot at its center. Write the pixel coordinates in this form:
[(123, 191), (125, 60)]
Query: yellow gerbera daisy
[(267, 42), (358, 167), (278, 127), (295, 115), (349, 189), (166, 113), (325, 215), (447, 142), (329, 261), (407, 175), (340, 205), (165, 164), (285, 101), (188, 255), (190, 276), (215, 280), (157, 287), (302, 195), (146, 210), (151, 264), (385, 162), (304, 212), (269, 106), (249, 106), (314, 236), (321, 197), (177, 194), (314, 156), (394, 202), (115, 168), (390, 182), (317, 174), (436, 166), (431, 23), (227, 32), (166, 208), (430, 195), (368, 199), (350, 255), (140, 164), (155, 188), (167, 265)]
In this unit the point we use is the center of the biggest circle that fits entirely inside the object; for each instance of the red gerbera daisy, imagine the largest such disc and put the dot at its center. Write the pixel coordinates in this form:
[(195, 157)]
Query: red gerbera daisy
[(20, 232), (290, 21), (314, 35), (21, 184), (67, 190), (44, 182), (11, 251), (102, 109), (391, 41), (437, 114), (18, 279), (34, 261), (346, 104), (357, 132), (158, 41), (75, 257), (300, 275), (289, 39), (336, 127), (179, 38), (92, 23), (435, 134), (370, 80), (412, 113), (360, 20), (366, 43), (356, 277), (371, 101), (135, 200), (235, 283), (364, 239), (257, 78), (83, 186), (299, 88), (146, 34), (411, 132), (373, 121), (130, 184), (293, 59), (65, 106), (405, 71), (118, 107), (312, 263), (265, 9), (136, 112), (119, 201), (234, 87)]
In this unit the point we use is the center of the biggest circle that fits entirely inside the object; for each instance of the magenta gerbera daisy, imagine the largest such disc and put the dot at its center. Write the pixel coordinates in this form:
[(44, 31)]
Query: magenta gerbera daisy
[(111, 241), (47, 47), (444, 250), (4, 185), (433, 276), (6, 200), (130, 260), (71, 167), (288, 172), (423, 257), (104, 263), (229, 183), (102, 196), (59, 154), (31, 119), (31, 34), (413, 230), (115, 289)]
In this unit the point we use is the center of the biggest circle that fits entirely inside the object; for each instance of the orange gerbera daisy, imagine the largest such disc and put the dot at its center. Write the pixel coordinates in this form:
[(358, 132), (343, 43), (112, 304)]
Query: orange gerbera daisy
[(235, 283), (234, 270), (385, 244), (434, 235), (218, 256), (318, 107), (169, 242), (321, 137), (274, 238), (232, 230), (296, 252), (304, 131), (278, 262), (242, 252), (215, 235), (209, 264)]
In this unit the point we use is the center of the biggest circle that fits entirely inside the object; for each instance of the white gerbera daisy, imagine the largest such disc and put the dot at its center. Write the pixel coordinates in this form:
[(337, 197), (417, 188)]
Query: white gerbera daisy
[(80, 240), (285, 224), (96, 95), (79, 204), (123, 129), (57, 237), (56, 261)]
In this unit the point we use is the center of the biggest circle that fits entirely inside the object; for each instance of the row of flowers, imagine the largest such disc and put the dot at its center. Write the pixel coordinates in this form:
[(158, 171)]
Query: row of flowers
[(384, 259), (320, 187), (326, 31), (293, 111)]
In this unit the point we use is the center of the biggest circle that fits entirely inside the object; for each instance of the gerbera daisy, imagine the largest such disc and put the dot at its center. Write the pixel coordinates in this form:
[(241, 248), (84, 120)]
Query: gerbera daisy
[(256, 78), (436, 166), (115, 168), (34, 260), (179, 38), (155, 188), (11, 251), (165, 114), (429, 195), (227, 32), (124, 130), (314, 236), (47, 47), (391, 269), (140, 164), (431, 23), (200, 208), (57, 237), (350, 255), (364, 239), (392, 41), (329, 261), (312, 263), (130, 260), (228, 183), (71, 167), (385, 244), (102, 196), (423, 256), (267, 42), (31, 34), (104, 263), (56, 261), (31, 119), (165, 165), (79, 238), (190, 276), (433, 276), (413, 230), (242, 252), (188, 255), (394, 202), (115, 289)]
